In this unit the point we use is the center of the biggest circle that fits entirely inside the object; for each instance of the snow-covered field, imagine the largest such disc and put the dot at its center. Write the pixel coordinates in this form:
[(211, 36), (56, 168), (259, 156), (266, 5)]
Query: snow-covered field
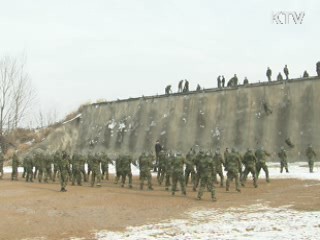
[(253, 222)]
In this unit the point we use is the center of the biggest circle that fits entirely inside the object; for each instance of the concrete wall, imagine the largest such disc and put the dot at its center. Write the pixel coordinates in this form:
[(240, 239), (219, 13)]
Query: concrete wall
[(211, 119)]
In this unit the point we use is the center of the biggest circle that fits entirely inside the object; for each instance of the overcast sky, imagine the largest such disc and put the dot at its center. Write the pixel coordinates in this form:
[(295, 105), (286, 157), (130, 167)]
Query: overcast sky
[(80, 50)]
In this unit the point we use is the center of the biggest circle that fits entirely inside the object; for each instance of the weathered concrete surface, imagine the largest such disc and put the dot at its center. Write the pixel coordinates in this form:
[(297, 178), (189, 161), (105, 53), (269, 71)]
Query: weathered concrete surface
[(213, 118)]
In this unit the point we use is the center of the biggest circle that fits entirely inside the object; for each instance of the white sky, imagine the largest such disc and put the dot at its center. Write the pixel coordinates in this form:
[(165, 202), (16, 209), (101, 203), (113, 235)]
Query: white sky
[(80, 50)]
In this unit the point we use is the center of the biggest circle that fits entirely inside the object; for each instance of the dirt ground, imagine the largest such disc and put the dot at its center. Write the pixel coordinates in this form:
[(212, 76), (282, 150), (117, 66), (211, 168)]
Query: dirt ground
[(34, 210)]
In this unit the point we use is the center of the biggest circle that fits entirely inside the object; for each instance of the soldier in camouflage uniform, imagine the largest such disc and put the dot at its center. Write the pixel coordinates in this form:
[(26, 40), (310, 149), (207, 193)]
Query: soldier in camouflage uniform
[(249, 161), (15, 165), (168, 172), (125, 163), (206, 170), (219, 162), (189, 170), (233, 165), (81, 163), (42, 165), (76, 169), (47, 167), (261, 155), (63, 163), (283, 159), (117, 164), (1, 164), (310, 153), (29, 167), (95, 160), (177, 173), (37, 165), (145, 165), (105, 160)]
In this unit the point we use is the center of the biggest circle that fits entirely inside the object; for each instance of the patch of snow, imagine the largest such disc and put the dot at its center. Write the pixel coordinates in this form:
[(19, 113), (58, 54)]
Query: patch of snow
[(111, 124), (122, 126), (253, 222), (153, 123), (79, 115)]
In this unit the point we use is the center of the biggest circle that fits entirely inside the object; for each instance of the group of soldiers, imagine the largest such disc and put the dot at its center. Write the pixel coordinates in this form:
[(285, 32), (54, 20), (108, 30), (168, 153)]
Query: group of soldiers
[(201, 165), (286, 73), (221, 81), (280, 77), (183, 86)]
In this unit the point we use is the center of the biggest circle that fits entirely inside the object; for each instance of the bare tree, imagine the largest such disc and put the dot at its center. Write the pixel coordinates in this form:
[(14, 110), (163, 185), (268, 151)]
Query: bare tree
[(16, 94), (46, 118)]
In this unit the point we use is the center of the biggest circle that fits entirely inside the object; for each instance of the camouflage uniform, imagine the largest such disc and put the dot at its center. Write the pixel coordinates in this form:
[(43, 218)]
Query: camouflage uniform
[(310, 153), (206, 170), (225, 154), (233, 165), (125, 164), (43, 163), (168, 172), (261, 155), (1, 164), (249, 161), (15, 165), (37, 166), (145, 165), (95, 160), (117, 163), (62, 160), (105, 160), (177, 173), (76, 169), (29, 168), (283, 160), (190, 167), (219, 162), (81, 163)]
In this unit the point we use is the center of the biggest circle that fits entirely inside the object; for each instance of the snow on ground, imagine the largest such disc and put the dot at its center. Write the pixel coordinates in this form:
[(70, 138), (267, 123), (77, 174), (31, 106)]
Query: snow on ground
[(253, 222)]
